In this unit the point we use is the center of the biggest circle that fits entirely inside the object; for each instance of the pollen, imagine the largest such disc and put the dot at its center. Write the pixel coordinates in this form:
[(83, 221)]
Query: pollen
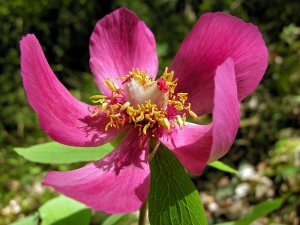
[(144, 103)]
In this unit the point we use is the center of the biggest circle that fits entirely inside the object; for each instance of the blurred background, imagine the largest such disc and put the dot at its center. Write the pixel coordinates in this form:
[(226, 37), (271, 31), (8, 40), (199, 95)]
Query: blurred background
[(267, 148)]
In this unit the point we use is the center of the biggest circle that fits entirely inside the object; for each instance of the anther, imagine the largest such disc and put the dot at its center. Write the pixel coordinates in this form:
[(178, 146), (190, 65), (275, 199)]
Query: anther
[(145, 128), (194, 115), (140, 117), (179, 121), (124, 106)]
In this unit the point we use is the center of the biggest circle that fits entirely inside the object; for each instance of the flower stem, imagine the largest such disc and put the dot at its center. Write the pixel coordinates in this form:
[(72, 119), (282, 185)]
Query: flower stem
[(143, 213)]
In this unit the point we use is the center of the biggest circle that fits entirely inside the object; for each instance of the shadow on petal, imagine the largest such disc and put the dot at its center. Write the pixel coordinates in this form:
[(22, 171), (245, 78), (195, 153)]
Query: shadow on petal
[(95, 128), (118, 183), (128, 152), (191, 145), (140, 191)]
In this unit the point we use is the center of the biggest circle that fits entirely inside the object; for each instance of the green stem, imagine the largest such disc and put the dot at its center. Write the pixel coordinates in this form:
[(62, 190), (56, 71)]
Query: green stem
[(143, 213)]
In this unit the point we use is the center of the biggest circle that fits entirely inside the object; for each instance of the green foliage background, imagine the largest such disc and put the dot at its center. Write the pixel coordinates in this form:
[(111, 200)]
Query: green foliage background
[(63, 28)]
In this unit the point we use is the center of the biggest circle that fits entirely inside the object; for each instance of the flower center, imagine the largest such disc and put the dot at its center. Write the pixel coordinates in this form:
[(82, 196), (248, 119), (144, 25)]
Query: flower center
[(144, 102)]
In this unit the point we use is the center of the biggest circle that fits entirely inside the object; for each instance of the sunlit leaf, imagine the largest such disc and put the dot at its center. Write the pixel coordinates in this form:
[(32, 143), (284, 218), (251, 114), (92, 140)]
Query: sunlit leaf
[(256, 212), (118, 139), (226, 223), (222, 166), (62, 210), (53, 152), (29, 220), (173, 198), (114, 219)]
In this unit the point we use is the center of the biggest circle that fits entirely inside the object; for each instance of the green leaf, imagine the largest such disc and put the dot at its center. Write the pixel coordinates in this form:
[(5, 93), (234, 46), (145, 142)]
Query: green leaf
[(29, 220), (226, 223), (173, 198), (221, 166), (63, 210), (118, 139), (53, 152), (114, 219), (256, 212)]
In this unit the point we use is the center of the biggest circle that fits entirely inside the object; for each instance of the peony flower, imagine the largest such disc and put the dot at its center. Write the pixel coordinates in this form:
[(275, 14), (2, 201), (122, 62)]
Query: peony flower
[(218, 64)]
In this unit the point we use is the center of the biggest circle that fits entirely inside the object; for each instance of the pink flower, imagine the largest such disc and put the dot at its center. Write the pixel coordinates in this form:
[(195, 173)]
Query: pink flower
[(218, 64)]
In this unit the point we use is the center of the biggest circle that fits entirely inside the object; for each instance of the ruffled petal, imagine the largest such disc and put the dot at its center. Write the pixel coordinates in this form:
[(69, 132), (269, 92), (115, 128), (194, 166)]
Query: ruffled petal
[(64, 118), (191, 145), (226, 112), (118, 183), (214, 38), (119, 43), (195, 145)]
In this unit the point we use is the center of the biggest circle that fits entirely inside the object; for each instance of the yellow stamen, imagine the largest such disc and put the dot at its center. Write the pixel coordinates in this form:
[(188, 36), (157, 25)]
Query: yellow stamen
[(145, 128), (165, 122), (140, 117), (184, 119), (147, 116), (179, 121), (124, 106), (98, 96), (194, 115), (112, 86)]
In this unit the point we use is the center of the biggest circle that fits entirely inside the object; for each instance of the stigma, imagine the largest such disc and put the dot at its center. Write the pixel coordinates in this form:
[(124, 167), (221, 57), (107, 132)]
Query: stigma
[(145, 103)]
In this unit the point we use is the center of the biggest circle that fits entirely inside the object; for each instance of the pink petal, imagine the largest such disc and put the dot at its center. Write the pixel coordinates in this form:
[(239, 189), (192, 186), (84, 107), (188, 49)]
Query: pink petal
[(195, 144), (191, 145), (214, 38), (62, 117), (118, 183), (119, 43), (226, 113)]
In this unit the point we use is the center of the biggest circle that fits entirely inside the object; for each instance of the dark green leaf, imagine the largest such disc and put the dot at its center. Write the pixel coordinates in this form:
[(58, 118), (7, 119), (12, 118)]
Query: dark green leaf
[(221, 166), (62, 210), (53, 152), (173, 198), (29, 220)]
